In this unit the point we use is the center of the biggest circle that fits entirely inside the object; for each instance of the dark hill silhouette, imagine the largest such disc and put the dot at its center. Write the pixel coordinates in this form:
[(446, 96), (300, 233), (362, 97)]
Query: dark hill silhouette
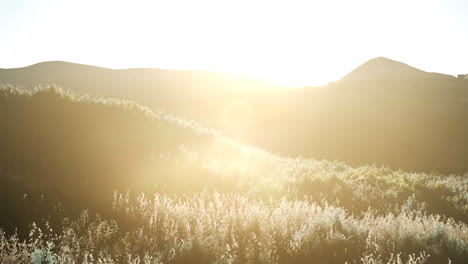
[(382, 68), (406, 118), (413, 123)]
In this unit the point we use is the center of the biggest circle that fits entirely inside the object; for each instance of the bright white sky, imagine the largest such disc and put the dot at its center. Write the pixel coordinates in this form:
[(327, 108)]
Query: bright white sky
[(286, 42)]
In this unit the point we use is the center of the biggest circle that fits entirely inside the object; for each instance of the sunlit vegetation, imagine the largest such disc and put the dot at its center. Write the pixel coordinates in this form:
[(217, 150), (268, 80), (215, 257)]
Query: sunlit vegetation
[(95, 180)]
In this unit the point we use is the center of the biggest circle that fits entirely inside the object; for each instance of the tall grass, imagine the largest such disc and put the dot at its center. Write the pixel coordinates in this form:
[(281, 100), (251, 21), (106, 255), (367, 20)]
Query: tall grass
[(206, 198), (230, 228)]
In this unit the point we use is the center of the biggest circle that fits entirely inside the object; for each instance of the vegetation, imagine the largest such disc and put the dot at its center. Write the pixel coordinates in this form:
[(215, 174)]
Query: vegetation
[(92, 180), (234, 229)]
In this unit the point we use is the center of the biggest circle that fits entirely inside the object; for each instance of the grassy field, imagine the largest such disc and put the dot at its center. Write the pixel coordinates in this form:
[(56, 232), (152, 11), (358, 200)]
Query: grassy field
[(96, 180)]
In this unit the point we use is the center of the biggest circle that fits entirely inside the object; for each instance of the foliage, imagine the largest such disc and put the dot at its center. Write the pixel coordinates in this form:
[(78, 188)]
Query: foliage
[(204, 198), (230, 228)]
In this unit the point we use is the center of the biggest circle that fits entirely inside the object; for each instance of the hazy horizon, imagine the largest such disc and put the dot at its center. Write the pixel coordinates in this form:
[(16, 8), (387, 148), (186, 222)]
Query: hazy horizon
[(295, 43)]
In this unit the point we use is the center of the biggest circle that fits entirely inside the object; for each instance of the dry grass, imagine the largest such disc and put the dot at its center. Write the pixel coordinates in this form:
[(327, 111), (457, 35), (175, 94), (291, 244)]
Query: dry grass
[(211, 199), (221, 228)]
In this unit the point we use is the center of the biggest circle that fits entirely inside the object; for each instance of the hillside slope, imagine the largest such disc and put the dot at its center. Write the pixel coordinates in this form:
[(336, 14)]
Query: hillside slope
[(413, 124), (54, 139)]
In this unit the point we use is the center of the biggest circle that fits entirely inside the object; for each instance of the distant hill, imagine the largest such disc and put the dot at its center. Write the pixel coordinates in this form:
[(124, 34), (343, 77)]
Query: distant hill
[(382, 68), (170, 90), (87, 78)]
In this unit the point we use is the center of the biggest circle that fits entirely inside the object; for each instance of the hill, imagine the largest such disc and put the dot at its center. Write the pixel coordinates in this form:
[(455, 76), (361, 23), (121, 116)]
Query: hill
[(189, 93), (382, 68), (205, 197), (415, 124)]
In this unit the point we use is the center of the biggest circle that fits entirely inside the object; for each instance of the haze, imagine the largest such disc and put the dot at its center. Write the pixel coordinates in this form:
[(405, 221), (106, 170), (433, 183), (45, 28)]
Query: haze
[(196, 132), (294, 43)]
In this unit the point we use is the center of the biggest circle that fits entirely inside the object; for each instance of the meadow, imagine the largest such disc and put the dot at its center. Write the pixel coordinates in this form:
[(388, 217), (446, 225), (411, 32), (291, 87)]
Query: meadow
[(100, 180)]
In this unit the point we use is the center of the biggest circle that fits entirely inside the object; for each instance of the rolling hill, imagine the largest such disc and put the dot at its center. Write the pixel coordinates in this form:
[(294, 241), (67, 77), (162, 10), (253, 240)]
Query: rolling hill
[(399, 116), (192, 94)]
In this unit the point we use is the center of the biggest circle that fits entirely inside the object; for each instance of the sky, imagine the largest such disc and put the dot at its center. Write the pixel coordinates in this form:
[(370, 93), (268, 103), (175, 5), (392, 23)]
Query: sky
[(290, 42)]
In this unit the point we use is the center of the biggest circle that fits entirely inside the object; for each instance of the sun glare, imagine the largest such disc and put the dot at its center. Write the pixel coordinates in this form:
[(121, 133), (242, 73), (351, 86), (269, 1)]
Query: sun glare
[(242, 131), (292, 43)]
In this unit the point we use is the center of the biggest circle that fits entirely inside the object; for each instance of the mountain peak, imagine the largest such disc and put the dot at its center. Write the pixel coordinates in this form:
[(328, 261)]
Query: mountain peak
[(382, 68)]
